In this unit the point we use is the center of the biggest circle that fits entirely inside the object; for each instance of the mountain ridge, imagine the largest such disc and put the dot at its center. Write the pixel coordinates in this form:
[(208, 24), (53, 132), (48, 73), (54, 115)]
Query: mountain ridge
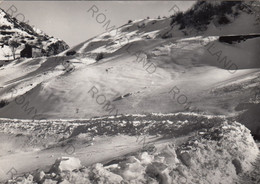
[(13, 30)]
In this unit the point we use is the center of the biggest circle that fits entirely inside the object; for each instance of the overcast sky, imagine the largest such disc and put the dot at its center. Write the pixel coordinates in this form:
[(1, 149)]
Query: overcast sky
[(71, 21)]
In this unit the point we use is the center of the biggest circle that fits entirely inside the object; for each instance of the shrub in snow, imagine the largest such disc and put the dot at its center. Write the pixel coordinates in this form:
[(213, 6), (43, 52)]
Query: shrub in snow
[(177, 18), (71, 53), (4, 27), (99, 56), (167, 35), (223, 20), (3, 103), (201, 14)]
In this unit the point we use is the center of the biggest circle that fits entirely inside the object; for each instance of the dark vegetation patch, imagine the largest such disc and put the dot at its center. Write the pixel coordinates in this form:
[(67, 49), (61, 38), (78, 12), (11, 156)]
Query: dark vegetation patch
[(201, 14), (71, 53), (5, 27), (3, 103), (237, 38), (99, 56)]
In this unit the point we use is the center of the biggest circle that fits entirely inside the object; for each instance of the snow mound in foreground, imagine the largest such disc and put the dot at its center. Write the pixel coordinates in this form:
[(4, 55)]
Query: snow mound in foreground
[(220, 153)]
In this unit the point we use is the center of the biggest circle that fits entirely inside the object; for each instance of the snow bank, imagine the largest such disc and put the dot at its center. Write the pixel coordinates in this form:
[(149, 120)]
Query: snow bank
[(220, 153)]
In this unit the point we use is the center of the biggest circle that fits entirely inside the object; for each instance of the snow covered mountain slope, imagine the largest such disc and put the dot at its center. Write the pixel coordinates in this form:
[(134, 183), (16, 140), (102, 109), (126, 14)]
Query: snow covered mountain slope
[(203, 19), (12, 30), (141, 68), (118, 76)]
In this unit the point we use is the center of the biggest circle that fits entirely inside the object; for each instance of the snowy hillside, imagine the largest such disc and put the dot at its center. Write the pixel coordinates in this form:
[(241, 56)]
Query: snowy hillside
[(139, 67), (160, 101), (203, 19), (21, 33)]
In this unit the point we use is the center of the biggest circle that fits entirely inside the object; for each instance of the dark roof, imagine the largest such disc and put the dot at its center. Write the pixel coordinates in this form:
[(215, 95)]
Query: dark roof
[(32, 46)]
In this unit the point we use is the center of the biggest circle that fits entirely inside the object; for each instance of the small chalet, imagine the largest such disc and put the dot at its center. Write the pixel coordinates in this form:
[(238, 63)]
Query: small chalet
[(31, 51)]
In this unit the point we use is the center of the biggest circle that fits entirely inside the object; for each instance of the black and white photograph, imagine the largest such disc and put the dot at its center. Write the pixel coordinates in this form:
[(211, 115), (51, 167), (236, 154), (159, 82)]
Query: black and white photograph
[(129, 92)]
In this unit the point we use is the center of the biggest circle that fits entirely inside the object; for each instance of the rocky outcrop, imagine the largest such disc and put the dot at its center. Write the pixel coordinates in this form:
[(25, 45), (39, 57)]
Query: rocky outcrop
[(56, 48), (14, 31)]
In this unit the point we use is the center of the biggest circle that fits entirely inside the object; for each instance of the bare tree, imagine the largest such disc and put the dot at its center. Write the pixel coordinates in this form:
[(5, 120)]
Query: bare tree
[(14, 45)]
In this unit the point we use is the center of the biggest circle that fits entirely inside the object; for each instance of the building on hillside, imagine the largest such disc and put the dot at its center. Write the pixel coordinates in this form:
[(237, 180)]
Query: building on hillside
[(26, 52), (31, 51), (36, 52)]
